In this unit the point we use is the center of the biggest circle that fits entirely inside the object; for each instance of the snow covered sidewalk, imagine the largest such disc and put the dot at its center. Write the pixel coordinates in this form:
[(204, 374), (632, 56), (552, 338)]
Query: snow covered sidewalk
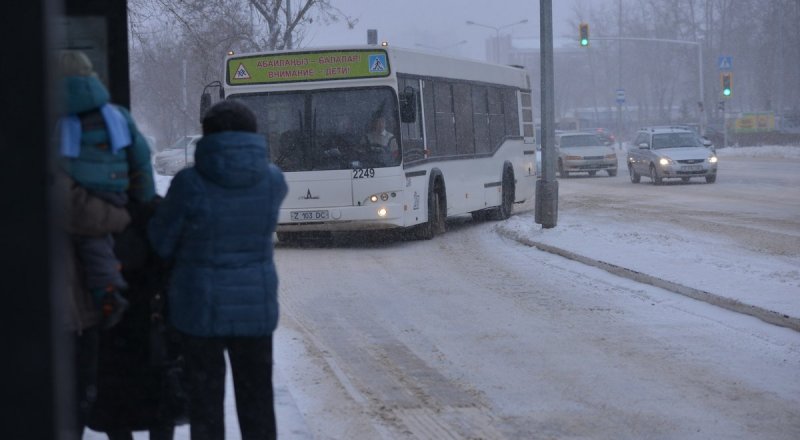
[(713, 270)]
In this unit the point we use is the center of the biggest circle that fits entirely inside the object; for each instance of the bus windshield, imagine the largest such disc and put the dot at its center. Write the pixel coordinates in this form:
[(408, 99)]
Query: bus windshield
[(329, 129)]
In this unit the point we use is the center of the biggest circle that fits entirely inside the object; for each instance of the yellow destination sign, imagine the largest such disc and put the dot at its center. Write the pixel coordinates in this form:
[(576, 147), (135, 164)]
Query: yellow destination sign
[(307, 66)]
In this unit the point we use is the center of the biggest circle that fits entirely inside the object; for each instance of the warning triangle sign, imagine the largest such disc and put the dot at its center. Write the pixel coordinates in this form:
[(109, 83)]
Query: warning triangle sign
[(241, 73)]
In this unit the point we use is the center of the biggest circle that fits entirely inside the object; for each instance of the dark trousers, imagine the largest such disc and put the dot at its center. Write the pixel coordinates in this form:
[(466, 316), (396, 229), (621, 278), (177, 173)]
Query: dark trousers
[(251, 368), (86, 349)]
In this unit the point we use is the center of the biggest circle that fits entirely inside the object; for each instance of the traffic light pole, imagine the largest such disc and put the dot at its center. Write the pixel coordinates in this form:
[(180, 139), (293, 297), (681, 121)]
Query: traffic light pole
[(699, 64), (546, 207)]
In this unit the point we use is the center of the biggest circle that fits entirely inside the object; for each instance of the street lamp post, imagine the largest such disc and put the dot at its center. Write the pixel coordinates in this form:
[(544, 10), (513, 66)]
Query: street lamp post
[(497, 34)]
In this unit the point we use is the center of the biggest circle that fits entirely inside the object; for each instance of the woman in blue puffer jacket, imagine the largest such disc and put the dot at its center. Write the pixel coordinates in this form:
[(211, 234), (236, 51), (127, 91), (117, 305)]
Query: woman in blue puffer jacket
[(216, 223)]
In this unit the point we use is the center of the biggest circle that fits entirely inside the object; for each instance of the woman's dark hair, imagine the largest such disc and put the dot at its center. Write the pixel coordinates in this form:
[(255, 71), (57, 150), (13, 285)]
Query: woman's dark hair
[(229, 115)]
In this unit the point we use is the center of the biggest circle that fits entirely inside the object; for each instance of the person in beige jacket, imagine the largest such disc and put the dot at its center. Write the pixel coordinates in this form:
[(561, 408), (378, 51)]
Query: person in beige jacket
[(86, 215)]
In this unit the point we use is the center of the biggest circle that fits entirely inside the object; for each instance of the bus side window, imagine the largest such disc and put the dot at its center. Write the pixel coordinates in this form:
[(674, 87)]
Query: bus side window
[(431, 142), (445, 118), (510, 105), (465, 136), (480, 118), (411, 132), (497, 126)]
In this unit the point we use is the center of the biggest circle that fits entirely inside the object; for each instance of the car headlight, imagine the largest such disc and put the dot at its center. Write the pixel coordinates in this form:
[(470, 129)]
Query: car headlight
[(712, 159), (664, 161)]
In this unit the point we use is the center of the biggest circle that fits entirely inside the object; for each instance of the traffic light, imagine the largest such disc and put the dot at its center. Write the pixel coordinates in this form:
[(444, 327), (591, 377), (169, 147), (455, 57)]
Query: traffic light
[(727, 84), (584, 34)]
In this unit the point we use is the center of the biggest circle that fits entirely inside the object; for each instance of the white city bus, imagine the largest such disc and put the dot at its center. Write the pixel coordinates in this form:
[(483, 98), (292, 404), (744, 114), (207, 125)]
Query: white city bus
[(457, 136)]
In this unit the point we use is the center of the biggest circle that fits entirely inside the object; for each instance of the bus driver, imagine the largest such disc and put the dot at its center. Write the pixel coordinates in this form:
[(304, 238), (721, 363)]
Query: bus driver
[(377, 135)]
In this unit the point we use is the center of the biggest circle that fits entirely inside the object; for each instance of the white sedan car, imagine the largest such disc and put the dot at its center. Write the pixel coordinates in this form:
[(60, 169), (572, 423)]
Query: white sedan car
[(584, 152), (664, 153)]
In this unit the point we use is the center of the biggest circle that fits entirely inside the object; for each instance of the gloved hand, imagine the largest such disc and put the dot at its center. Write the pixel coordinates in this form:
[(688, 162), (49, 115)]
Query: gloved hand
[(112, 306)]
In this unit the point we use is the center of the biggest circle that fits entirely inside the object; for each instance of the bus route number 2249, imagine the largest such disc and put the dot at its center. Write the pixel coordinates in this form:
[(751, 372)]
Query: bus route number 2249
[(363, 173)]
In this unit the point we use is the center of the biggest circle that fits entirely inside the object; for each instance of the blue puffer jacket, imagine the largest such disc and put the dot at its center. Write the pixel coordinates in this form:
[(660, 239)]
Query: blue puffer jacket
[(217, 222)]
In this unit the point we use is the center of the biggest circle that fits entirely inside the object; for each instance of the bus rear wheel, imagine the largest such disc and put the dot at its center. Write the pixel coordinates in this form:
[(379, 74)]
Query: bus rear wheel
[(503, 211)]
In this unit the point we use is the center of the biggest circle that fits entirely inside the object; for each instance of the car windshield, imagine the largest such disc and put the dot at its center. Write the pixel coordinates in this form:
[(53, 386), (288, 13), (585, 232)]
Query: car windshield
[(675, 140), (584, 140), (329, 129)]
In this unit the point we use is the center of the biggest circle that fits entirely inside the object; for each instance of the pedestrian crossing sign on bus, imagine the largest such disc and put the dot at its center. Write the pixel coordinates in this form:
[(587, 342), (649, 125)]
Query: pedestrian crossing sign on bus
[(377, 63)]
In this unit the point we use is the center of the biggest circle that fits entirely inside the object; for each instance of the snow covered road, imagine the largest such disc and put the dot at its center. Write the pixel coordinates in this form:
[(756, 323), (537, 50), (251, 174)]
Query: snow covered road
[(472, 335)]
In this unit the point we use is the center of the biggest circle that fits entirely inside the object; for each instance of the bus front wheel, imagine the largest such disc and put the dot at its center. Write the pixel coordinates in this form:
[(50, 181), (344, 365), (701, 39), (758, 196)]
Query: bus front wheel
[(435, 224)]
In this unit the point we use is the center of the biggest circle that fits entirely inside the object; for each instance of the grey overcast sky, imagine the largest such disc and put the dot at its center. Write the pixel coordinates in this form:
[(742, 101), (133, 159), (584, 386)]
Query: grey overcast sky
[(442, 23)]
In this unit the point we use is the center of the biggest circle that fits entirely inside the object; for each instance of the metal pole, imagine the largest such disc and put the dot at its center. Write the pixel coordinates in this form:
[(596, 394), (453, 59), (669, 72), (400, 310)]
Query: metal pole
[(497, 46), (619, 76), (702, 91), (546, 208), (497, 34)]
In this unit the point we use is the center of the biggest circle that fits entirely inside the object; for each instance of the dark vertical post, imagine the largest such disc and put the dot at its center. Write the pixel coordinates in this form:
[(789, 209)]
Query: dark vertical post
[(546, 209), (619, 75), (37, 376), (115, 15)]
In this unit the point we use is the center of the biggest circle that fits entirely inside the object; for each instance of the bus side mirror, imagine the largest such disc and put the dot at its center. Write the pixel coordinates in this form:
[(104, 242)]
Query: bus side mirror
[(408, 105), (205, 104), (205, 98)]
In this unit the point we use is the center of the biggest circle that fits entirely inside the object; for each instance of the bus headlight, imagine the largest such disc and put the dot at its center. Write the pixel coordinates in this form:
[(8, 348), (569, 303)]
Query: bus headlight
[(382, 196), (382, 212)]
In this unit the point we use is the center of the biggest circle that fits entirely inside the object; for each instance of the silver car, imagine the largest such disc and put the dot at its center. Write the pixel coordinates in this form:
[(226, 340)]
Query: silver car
[(584, 152), (177, 156), (664, 153)]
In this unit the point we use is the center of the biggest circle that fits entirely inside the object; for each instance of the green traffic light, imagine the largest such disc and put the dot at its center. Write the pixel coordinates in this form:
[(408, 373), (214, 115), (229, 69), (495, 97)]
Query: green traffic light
[(584, 42), (726, 92)]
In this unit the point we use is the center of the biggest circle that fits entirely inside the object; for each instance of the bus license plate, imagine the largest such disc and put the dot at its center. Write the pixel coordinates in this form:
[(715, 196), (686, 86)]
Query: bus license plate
[(308, 216)]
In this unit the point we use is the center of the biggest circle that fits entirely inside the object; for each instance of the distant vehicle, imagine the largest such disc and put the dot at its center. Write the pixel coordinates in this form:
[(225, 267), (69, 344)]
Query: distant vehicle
[(670, 152), (177, 156), (584, 152), (604, 134), (715, 136)]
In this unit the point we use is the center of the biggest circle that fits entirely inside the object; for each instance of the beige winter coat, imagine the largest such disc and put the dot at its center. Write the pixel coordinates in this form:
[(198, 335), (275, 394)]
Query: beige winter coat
[(83, 215)]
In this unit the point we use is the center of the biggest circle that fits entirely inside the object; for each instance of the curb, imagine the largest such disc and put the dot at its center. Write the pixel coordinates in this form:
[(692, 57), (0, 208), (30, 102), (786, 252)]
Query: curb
[(768, 316)]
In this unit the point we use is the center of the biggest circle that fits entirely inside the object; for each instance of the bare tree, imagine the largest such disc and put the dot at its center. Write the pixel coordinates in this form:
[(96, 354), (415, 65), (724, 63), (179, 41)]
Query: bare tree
[(178, 47), (661, 77)]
